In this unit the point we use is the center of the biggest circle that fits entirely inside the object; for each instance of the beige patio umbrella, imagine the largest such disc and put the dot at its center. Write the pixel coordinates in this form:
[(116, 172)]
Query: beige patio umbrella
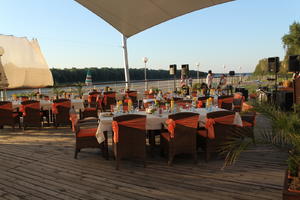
[(3, 79), (133, 16), (23, 63)]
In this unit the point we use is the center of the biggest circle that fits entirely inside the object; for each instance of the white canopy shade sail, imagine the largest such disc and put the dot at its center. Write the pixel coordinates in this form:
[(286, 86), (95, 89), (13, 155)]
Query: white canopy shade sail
[(23, 64), (133, 16)]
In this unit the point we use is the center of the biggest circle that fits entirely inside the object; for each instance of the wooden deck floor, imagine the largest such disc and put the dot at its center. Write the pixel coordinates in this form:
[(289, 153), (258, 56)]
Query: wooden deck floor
[(40, 165)]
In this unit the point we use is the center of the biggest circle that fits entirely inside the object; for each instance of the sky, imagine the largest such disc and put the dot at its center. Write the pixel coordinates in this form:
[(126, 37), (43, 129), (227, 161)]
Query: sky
[(235, 34)]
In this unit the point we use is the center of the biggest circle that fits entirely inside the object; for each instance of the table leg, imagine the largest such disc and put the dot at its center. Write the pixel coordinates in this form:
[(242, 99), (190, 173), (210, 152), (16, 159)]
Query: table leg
[(106, 145)]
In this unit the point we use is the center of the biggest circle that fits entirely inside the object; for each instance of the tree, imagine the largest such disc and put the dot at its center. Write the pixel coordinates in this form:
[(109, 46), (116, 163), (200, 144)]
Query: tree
[(291, 41)]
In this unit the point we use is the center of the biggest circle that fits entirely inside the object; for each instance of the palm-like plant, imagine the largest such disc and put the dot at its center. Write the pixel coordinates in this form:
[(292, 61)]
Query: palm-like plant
[(285, 134), (79, 90), (57, 91)]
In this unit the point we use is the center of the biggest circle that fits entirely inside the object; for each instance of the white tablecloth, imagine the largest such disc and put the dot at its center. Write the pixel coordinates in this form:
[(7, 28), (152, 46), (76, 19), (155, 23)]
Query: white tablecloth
[(154, 121)]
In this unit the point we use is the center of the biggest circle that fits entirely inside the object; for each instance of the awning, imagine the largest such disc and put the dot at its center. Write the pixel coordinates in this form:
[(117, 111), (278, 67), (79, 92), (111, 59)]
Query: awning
[(133, 16)]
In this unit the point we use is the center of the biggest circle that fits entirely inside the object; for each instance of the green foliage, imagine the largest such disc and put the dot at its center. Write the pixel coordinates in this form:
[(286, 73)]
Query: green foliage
[(78, 75), (79, 90), (285, 134), (293, 163), (261, 67), (196, 86), (291, 41), (57, 91)]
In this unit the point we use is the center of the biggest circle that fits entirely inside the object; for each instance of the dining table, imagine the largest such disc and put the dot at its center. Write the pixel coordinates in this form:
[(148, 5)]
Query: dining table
[(154, 121)]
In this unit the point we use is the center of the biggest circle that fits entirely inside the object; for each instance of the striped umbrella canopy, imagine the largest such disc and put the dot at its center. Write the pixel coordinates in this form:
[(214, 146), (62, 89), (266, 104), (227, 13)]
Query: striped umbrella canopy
[(88, 79)]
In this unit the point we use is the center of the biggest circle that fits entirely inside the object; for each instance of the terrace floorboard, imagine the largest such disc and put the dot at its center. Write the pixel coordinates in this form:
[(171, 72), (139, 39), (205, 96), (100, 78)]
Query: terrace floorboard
[(39, 164)]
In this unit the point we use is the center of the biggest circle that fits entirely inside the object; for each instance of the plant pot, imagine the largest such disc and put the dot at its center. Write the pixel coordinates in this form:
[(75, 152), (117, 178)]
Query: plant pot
[(288, 194)]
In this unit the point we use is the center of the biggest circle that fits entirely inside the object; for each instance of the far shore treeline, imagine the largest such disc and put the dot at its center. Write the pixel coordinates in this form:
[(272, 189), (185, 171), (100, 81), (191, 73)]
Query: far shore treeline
[(78, 75)]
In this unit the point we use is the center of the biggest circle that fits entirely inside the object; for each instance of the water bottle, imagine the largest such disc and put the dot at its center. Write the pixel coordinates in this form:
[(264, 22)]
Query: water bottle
[(216, 100)]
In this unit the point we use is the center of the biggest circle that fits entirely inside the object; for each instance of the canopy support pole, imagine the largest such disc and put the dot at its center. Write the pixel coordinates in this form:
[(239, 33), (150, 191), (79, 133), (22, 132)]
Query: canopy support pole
[(126, 67), (4, 94)]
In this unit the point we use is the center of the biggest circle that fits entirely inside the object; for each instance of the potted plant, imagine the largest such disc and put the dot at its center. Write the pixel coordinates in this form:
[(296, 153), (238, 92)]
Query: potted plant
[(285, 135)]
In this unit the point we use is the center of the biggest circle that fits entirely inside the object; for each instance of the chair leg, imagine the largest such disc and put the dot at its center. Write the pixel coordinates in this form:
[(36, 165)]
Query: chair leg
[(105, 145), (76, 152), (207, 156), (117, 162), (170, 156), (170, 161), (195, 157), (104, 151), (162, 152), (253, 139)]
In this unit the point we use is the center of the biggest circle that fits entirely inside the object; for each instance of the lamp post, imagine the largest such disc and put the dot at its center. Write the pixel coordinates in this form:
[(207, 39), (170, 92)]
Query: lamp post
[(241, 77), (145, 59), (198, 65)]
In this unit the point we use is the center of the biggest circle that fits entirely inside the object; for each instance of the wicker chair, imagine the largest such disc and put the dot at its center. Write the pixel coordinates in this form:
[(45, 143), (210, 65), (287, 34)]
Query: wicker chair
[(201, 102), (225, 102), (32, 115), (89, 112), (86, 137), (109, 98), (129, 139), (7, 116), (183, 139), (93, 99), (222, 132), (133, 96), (238, 100), (61, 109)]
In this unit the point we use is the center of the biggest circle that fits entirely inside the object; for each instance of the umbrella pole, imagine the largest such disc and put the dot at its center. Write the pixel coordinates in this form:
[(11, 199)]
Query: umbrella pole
[(4, 94), (126, 68)]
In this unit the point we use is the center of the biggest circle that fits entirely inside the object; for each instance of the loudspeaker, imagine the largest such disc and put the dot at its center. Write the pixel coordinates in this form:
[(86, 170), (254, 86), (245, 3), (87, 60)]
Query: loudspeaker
[(173, 69), (294, 63), (273, 64), (231, 73), (185, 69), (284, 99)]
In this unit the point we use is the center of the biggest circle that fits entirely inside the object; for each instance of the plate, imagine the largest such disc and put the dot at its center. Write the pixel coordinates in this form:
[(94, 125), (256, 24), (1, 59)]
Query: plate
[(107, 115)]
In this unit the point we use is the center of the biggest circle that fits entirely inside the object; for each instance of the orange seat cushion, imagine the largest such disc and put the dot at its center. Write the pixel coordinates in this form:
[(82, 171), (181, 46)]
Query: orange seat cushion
[(202, 133), (89, 109), (247, 124), (89, 132), (166, 135)]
